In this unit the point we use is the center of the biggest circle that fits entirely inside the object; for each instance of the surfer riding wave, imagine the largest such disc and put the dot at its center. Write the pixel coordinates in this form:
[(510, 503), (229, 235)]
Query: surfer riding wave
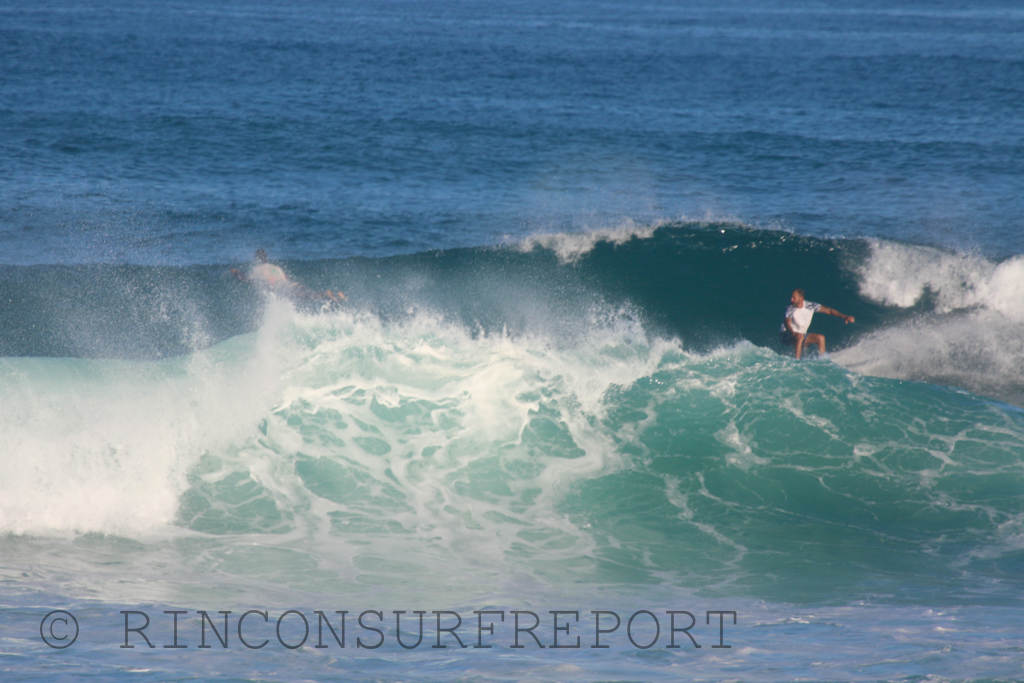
[(798, 318)]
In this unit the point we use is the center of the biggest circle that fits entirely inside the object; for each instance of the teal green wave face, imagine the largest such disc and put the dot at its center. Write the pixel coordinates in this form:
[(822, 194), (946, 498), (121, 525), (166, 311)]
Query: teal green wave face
[(425, 457), (806, 481)]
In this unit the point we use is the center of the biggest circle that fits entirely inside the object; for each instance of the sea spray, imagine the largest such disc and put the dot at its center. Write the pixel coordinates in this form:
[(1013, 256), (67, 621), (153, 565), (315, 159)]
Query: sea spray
[(967, 328), (105, 445)]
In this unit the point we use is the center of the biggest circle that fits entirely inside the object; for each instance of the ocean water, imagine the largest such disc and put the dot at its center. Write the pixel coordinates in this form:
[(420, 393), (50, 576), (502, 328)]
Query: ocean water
[(553, 410)]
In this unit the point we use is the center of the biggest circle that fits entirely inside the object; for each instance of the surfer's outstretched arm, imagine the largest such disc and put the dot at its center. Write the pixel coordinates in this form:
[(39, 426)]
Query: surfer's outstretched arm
[(831, 311)]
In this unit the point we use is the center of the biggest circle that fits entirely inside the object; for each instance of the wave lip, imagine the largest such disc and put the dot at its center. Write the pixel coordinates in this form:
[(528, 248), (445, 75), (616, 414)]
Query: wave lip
[(569, 247), (903, 275)]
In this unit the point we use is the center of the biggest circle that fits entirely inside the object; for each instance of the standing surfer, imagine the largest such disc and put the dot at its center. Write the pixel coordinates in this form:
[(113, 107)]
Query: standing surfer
[(798, 318)]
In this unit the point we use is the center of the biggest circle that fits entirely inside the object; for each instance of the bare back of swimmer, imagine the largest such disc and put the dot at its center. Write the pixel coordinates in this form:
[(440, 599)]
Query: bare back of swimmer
[(273, 277)]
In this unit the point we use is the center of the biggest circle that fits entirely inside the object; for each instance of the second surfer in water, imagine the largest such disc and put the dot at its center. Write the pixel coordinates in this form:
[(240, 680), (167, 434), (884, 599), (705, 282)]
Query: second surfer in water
[(273, 278)]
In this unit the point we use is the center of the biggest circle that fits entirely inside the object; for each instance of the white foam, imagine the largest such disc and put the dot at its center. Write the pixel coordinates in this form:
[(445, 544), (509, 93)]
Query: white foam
[(473, 474), (974, 340), (571, 246), (108, 446), (900, 274), (92, 445), (740, 454)]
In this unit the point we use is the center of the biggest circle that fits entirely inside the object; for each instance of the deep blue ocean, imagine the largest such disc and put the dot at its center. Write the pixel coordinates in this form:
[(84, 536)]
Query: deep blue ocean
[(554, 408)]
